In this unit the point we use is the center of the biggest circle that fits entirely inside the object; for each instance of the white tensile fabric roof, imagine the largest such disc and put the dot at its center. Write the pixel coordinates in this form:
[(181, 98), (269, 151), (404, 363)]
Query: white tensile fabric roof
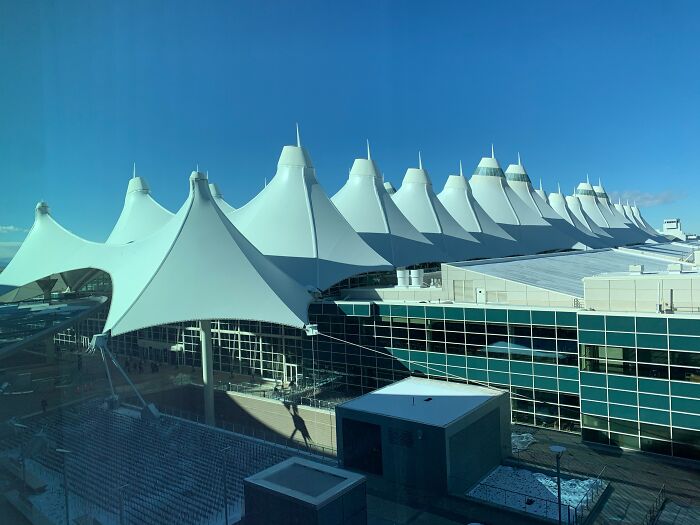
[(140, 216), (293, 221), (640, 219), (389, 187), (418, 202), (578, 219), (197, 266), (610, 211), (370, 210), (219, 198), (525, 225), (593, 208), (519, 181), (574, 205), (458, 200)]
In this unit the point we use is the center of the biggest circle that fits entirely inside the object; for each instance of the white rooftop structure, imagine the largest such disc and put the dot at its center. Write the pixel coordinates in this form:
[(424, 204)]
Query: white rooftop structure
[(293, 221), (372, 213), (563, 272), (426, 401), (141, 214), (458, 200), (518, 179), (502, 204), (641, 221), (219, 198), (616, 217), (197, 266), (418, 202), (389, 187)]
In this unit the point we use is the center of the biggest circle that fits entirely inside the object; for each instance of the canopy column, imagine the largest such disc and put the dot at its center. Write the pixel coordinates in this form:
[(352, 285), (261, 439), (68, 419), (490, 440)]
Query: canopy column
[(207, 371)]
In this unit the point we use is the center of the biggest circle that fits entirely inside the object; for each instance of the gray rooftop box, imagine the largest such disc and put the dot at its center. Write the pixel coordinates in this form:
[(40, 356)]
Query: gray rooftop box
[(298, 491)]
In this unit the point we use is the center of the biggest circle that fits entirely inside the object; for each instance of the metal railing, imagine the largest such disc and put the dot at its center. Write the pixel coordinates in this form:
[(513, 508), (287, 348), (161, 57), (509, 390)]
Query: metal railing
[(653, 513), (256, 433), (571, 514)]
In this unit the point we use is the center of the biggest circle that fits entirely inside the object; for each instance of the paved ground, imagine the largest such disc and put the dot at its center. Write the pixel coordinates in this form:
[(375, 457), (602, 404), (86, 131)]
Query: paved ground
[(636, 478)]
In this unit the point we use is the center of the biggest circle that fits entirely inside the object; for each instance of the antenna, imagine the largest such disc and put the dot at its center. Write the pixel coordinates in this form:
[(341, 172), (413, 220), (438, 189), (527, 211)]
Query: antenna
[(461, 173), (540, 180), (196, 168), (558, 188), (600, 183), (520, 164), (588, 181), (298, 137), (369, 154), (420, 161), (493, 155), (133, 172)]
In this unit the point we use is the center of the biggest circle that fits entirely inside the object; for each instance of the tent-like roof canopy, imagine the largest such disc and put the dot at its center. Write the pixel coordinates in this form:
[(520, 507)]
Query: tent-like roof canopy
[(219, 198), (637, 214), (458, 200), (141, 214), (570, 237), (293, 221), (502, 204), (197, 266), (372, 213), (595, 209), (389, 187), (418, 202), (614, 217)]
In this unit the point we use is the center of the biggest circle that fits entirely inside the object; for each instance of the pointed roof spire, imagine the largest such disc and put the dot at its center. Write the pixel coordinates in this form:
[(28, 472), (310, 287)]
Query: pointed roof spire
[(298, 137), (461, 172), (133, 172), (540, 178), (420, 161), (369, 154), (588, 180), (493, 155), (196, 167), (519, 162), (558, 188), (600, 183)]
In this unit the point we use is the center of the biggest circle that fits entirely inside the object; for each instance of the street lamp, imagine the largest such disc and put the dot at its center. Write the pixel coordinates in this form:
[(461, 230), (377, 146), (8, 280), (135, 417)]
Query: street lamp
[(64, 452), (559, 451)]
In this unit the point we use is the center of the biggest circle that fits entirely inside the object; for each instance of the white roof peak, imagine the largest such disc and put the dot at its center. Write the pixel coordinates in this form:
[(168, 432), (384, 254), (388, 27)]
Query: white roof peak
[(493, 154), (369, 153), (461, 171), (298, 136), (133, 171), (558, 188), (520, 163), (420, 161), (588, 180), (541, 184)]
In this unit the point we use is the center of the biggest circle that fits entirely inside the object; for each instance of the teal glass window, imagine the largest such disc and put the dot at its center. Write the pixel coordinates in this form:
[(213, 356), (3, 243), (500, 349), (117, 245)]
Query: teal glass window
[(566, 318), (685, 389), (416, 311), (399, 353), (476, 362), (434, 312), (498, 377), (456, 360), (457, 372), (546, 383), (498, 364), (477, 375), (568, 372), (591, 322), (496, 315), (680, 342), (543, 318), (622, 397), (657, 417), (652, 341), (653, 401), (347, 309), (620, 339), (653, 386), (521, 367), (519, 316), (651, 325), (436, 358), (399, 310), (594, 407), (521, 380), (686, 420), (682, 404), (684, 326), (622, 411), (384, 309), (420, 357), (593, 379), (568, 385), (622, 382), (591, 337), (593, 393), (474, 314), (540, 369), (618, 323), (455, 314), (362, 310)]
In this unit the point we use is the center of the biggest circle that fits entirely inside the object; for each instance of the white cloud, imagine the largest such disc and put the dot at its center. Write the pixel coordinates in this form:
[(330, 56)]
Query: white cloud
[(11, 229), (645, 199)]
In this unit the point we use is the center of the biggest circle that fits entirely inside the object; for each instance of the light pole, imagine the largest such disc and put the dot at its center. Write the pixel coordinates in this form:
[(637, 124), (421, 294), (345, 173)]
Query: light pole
[(558, 450), (64, 452), (224, 452)]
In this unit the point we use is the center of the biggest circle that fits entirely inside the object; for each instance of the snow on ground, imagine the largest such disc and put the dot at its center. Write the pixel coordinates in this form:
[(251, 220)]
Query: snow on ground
[(520, 442), (533, 492)]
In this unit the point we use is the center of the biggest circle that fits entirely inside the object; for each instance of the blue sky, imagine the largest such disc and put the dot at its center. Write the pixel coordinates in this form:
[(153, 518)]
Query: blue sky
[(605, 88)]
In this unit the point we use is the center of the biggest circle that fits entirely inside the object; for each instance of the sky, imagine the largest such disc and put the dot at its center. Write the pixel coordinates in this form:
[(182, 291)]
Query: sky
[(605, 88)]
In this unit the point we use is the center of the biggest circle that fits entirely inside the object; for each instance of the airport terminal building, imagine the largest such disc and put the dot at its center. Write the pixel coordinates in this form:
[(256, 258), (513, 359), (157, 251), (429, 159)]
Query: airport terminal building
[(572, 304)]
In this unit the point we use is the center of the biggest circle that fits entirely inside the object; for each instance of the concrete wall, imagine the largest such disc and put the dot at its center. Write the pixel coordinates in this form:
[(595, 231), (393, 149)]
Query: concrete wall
[(418, 461), (395, 294), (643, 293), (460, 286)]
